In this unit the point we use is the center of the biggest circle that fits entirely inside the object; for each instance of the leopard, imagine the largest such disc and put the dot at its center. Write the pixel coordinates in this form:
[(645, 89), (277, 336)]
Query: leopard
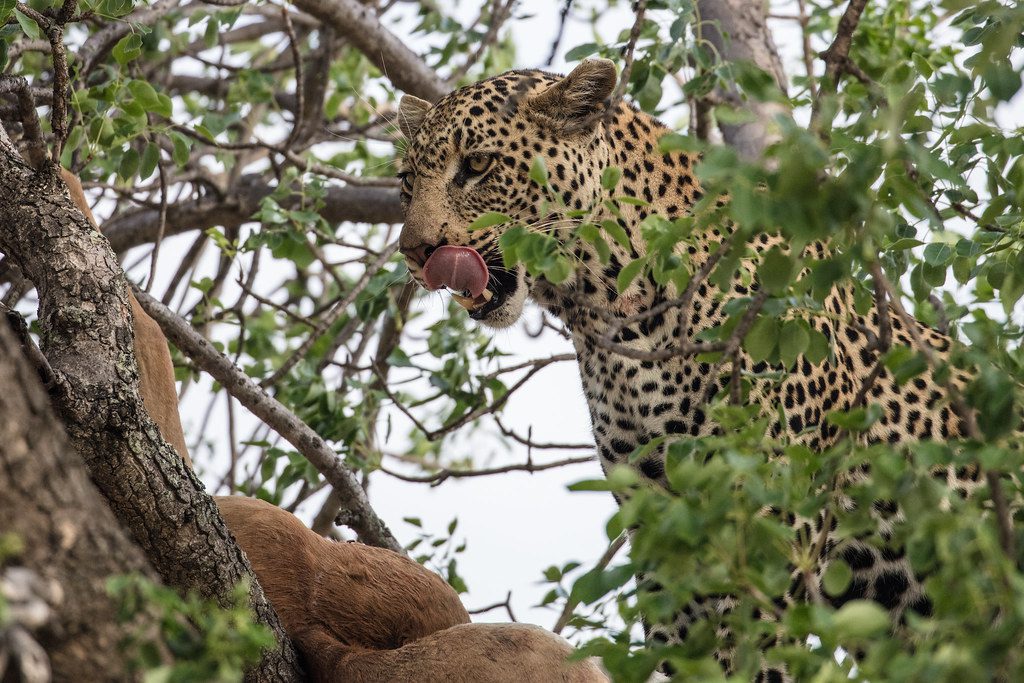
[(474, 152)]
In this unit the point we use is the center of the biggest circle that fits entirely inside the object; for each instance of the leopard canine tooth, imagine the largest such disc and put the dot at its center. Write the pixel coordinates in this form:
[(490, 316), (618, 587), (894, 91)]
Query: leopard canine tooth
[(469, 303), (464, 301)]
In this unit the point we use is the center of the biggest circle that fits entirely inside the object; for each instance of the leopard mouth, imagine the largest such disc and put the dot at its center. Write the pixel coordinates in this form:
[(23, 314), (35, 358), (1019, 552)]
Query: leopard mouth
[(479, 286), (500, 284)]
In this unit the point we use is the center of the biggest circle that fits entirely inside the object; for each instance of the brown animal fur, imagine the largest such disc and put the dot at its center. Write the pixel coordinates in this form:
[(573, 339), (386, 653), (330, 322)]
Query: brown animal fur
[(358, 614), (299, 568), (364, 614), (467, 653)]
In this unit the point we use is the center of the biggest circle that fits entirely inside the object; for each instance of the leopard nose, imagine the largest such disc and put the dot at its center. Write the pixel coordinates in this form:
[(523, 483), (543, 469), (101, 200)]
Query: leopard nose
[(418, 254)]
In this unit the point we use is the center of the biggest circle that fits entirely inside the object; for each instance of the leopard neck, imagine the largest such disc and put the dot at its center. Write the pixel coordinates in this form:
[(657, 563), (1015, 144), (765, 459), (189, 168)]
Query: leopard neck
[(590, 303)]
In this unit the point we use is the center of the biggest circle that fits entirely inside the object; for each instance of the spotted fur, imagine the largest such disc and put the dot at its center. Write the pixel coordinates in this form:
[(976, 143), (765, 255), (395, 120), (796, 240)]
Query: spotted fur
[(520, 115)]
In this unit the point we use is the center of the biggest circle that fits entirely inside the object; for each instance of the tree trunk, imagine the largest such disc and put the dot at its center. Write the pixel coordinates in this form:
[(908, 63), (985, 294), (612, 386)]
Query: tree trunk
[(738, 30), (69, 535), (86, 336)]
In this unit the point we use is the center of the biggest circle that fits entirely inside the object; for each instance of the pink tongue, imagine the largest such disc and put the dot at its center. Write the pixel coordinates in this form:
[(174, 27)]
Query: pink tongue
[(458, 268)]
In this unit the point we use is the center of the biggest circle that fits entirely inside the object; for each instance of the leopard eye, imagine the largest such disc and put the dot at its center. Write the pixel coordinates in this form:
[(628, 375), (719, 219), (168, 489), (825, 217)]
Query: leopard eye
[(478, 164), (406, 179)]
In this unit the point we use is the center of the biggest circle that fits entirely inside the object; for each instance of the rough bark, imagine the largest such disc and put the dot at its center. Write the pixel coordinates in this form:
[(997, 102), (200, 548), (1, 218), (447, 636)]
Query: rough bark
[(348, 203), (86, 335), (739, 31), (70, 536)]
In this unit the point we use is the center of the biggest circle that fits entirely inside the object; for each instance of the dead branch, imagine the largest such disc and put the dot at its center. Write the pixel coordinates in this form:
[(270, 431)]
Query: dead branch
[(361, 27), (444, 475)]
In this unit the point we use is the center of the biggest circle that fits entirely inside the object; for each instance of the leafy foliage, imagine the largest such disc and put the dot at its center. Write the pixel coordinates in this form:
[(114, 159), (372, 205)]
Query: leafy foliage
[(197, 640), (910, 168)]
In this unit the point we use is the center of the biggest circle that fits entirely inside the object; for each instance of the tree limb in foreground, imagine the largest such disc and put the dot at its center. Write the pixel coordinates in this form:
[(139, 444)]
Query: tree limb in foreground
[(69, 535), (86, 335)]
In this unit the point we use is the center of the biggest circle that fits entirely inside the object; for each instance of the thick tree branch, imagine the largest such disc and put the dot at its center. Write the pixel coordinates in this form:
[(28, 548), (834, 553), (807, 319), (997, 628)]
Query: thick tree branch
[(86, 335), (359, 24), (352, 204), (70, 536), (739, 32)]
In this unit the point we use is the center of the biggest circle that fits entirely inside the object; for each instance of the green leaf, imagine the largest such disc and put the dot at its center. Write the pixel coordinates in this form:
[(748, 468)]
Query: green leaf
[(597, 582), (559, 271), (922, 65), (674, 142), (212, 31), (617, 232), (793, 341), (837, 577), (581, 51), (143, 93), (905, 363), (6, 8), (127, 49), (150, 159), (762, 338), (856, 420), (182, 147), (489, 219), (860, 619), (777, 271), (628, 274), (539, 171), (30, 27), (938, 254), (817, 347), (129, 165), (610, 177), (591, 485), (1003, 80)]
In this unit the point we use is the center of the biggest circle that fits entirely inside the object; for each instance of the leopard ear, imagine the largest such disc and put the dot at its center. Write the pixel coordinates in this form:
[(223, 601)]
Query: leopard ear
[(411, 112), (575, 101)]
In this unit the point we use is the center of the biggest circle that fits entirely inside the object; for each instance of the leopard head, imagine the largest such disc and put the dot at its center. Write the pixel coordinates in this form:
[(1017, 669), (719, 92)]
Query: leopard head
[(471, 154)]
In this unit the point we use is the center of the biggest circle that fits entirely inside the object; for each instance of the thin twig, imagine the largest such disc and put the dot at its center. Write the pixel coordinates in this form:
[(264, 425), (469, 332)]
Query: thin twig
[(808, 55), (570, 604), (300, 96), (506, 603), (444, 475), (562, 18), (163, 225), (639, 9), (500, 13), (530, 443), (331, 317), (1004, 521)]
